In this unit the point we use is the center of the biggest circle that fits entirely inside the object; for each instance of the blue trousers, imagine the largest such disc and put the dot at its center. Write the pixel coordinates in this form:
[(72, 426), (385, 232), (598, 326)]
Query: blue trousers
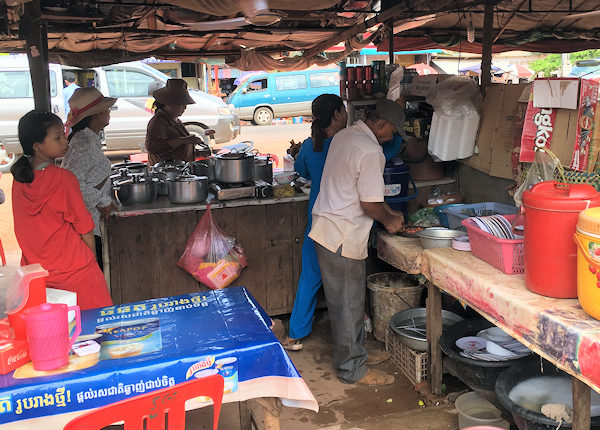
[(308, 287)]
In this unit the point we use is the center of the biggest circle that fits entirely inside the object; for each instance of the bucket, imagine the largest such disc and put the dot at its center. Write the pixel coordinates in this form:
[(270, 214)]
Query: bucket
[(587, 239), (526, 418), (551, 212), (474, 410), (390, 293)]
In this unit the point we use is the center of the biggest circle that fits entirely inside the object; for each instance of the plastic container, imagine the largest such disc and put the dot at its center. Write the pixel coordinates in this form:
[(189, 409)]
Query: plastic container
[(390, 293), (453, 137), (47, 328), (474, 410), (587, 239), (551, 213), (456, 214), (396, 177), (526, 419), (507, 255), (440, 211), (477, 374)]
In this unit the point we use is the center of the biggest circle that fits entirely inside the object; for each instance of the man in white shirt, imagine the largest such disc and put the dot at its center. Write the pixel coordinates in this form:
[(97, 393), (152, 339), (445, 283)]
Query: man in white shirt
[(69, 89), (350, 198)]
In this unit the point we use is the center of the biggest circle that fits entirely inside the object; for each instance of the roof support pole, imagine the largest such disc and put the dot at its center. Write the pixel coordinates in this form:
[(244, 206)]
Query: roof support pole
[(37, 53), (486, 45), (391, 42)]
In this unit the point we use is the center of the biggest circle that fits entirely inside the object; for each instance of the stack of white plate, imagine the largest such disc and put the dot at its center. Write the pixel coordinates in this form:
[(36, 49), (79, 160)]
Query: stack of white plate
[(496, 225)]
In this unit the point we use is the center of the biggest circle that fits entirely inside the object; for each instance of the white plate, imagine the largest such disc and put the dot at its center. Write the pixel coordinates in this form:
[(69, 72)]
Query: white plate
[(480, 224), (471, 343)]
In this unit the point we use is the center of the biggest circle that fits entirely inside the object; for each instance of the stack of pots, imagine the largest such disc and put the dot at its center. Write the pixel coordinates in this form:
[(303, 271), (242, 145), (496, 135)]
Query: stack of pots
[(551, 212)]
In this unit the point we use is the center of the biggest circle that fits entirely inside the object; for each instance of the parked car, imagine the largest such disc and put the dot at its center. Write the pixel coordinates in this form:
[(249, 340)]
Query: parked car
[(131, 82), (587, 69), (269, 95)]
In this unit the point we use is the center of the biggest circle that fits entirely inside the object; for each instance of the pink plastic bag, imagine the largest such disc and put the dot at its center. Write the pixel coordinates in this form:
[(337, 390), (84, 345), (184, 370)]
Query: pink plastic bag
[(212, 257)]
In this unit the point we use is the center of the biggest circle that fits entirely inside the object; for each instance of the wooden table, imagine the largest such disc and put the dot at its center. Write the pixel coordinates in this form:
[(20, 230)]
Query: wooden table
[(556, 329)]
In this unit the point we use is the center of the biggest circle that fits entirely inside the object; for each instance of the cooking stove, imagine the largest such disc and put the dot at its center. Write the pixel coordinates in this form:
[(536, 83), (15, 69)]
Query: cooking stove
[(233, 191)]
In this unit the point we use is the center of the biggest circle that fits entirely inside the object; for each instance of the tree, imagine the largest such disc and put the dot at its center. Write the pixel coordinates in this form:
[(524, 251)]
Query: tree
[(551, 63)]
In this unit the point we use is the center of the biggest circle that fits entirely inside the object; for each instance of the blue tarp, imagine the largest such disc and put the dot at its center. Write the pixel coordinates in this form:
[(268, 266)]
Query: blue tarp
[(170, 340)]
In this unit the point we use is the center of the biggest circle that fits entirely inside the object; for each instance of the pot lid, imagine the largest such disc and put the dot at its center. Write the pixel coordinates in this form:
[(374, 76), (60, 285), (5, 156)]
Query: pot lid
[(589, 221), (188, 178), (562, 197), (128, 165), (170, 163), (234, 155), (136, 179)]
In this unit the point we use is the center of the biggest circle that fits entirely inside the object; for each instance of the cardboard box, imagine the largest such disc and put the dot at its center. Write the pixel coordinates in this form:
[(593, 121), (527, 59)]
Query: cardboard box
[(421, 85), (499, 131), (556, 93), (567, 132)]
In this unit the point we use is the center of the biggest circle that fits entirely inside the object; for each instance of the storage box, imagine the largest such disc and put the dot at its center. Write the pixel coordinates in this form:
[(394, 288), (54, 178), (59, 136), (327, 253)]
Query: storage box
[(457, 214), (500, 131), (412, 364), (567, 132), (421, 85), (556, 93), (13, 354)]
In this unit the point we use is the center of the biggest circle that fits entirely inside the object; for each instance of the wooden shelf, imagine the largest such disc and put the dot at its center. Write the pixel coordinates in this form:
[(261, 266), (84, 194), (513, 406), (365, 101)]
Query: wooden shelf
[(443, 181)]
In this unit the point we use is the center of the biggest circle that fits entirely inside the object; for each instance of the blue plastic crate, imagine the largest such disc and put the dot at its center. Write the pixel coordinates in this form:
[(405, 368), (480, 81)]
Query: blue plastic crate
[(456, 214)]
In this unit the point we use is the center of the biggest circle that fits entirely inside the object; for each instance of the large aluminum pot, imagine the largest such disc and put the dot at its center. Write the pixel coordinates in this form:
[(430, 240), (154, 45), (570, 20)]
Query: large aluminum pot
[(263, 168), (137, 191), (131, 166), (186, 189), (204, 168), (234, 168)]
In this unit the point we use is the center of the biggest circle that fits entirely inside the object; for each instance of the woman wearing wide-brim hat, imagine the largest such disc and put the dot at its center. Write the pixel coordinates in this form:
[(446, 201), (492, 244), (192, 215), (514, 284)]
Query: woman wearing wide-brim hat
[(89, 114), (166, 136)]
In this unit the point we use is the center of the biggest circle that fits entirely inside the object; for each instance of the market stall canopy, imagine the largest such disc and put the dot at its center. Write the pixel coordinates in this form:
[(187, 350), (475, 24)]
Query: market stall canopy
[(423, 69), (525, 25), (519, 70), (288, 34)]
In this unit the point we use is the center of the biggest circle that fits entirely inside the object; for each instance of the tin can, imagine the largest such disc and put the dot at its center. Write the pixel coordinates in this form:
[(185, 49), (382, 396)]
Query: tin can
[(360, 74), (368, 73), (351, 75)]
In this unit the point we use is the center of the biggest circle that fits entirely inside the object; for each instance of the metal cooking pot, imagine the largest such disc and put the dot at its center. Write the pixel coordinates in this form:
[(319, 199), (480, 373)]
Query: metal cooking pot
[(234, 167), (169, 163), (188, 189), (263, 168), (203, 168), (137, 190), (165, 174)]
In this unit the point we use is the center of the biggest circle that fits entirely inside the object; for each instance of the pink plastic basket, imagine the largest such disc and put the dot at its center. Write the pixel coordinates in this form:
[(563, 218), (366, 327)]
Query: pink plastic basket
[(506, 255)]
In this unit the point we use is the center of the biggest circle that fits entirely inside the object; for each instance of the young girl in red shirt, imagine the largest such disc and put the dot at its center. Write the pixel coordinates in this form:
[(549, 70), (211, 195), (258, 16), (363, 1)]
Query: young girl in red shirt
[(52, 224)]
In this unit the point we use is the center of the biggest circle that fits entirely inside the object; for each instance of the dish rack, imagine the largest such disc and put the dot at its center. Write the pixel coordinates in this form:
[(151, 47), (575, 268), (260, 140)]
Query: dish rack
[(507, 255), (456, 214)]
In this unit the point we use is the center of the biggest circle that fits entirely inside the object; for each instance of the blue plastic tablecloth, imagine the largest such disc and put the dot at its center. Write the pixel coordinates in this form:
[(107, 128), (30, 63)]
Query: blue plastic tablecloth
[(171, 340)]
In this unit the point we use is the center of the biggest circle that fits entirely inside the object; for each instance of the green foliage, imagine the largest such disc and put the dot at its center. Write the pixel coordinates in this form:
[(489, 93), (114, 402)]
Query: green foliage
[(551, 63)]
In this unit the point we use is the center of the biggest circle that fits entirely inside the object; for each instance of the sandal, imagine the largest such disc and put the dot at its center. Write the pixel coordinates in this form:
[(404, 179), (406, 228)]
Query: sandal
[(291, 344), (377, 357), (376, 377)]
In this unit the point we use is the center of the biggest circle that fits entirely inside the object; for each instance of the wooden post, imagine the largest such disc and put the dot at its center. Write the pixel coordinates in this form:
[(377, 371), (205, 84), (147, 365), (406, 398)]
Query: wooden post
[(581, 406), (434, 332), (245, 416), (37, 53), (391, 42), (486, 45)]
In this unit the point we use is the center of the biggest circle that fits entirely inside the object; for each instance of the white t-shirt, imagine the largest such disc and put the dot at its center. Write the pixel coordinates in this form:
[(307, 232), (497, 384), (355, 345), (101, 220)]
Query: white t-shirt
[(353, 173)]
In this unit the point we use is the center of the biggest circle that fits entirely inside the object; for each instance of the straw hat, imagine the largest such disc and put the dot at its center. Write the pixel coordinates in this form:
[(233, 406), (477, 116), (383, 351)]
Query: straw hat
[(174, 93), (86, 102)]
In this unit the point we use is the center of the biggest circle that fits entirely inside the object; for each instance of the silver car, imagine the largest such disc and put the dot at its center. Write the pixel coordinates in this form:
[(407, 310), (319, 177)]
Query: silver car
[(130, 82)]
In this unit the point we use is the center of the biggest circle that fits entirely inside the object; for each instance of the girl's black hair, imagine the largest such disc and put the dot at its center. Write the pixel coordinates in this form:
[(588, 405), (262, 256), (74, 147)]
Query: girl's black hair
[(33, 128), (323, 109), (80, 126), (157, 105)]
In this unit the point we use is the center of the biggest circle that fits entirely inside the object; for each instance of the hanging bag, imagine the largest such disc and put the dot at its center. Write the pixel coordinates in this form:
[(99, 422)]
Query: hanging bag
[(212, 257)]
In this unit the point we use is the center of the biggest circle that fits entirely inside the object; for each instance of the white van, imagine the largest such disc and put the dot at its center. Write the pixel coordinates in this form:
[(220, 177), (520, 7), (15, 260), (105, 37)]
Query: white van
[(130, 82)]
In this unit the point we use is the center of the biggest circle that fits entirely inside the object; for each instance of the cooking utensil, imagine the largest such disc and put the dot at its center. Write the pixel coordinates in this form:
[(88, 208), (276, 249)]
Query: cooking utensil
[(234, 167), (263, 168), (131, 166), (203, 168), (165, 174), (438, 237), (137, 190), (187, 189)]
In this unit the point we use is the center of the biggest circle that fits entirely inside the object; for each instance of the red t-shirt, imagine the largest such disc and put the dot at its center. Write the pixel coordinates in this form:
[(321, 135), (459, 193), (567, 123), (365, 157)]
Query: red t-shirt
[(49, 217)]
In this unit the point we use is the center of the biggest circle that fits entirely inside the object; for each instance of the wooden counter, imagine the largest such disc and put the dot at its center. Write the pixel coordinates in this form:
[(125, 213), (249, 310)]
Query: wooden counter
[(143, 244), (556, 329)]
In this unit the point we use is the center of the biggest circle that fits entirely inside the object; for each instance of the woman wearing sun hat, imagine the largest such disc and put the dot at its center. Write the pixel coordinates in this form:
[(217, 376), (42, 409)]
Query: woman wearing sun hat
[(166, 136), (88, 116)]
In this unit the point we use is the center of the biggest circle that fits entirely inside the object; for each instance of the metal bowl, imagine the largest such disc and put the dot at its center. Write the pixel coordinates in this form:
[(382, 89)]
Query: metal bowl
[(410, 324), (438, 237)]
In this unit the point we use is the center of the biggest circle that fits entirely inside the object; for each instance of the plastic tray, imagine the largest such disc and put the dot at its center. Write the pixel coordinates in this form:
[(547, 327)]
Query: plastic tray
[(506, 255), (456, 214)]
